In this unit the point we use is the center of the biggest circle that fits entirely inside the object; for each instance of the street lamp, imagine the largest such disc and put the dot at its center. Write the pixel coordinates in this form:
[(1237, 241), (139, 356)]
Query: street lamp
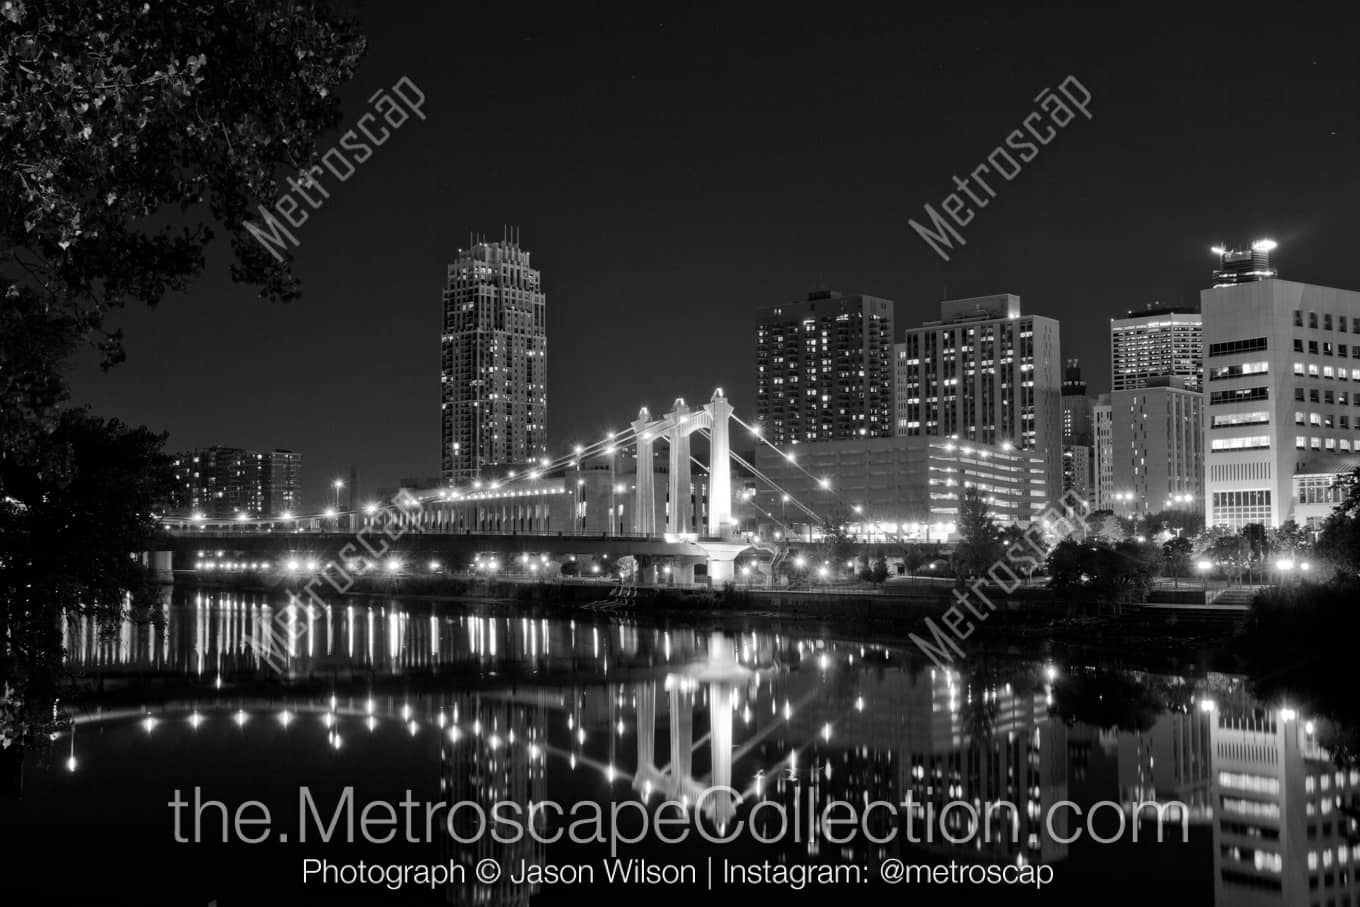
[(1204, 566)]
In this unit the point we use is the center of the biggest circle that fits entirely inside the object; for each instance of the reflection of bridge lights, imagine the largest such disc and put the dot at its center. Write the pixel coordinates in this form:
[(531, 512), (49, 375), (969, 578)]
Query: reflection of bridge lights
[(619, 727), (535, 751), (241, 718), (494, 741), (571, 761), (581, 736), (822, 662), (826, 731), (859, 703), (609, 774), (328, 719), (788, 710), (477, 727), (1051, 673), (413, 728), (454, 734)]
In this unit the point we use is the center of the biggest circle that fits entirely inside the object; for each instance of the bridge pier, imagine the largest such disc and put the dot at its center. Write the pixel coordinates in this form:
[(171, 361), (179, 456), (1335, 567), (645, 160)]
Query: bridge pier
[(722, 557), (678, 518), (644, 494)]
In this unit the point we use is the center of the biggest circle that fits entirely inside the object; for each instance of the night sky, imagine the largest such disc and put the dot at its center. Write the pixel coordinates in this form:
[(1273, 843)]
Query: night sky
[(672, 171)]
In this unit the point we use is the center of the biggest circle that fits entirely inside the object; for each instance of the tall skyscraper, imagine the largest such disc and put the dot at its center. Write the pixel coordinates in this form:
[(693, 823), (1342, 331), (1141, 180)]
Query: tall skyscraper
[(229, 482), (1283, 368), (984, 372), (494, 362), (824, 369), (1158, 342), (1078, 434)]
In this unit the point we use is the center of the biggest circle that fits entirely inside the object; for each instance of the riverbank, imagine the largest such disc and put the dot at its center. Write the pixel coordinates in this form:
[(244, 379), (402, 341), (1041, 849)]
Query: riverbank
[(1029, 622)]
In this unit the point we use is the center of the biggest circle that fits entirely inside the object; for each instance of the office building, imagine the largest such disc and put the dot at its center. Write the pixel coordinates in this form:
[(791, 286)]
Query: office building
[(229, 482), (1156, 447), (824, 369), (1102, 425), (905, 488), (1282, 363), (984, 373), (1237, 266), (1078, 434), (494, 365), (1157, 342)]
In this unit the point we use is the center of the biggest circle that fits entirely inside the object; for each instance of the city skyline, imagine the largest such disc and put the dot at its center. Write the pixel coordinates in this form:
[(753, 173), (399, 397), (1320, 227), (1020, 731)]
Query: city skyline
[(647, 283)]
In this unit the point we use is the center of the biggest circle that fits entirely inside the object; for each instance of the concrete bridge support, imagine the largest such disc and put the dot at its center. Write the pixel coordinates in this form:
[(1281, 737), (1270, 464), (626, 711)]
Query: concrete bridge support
[(644, 500), (679, 518)]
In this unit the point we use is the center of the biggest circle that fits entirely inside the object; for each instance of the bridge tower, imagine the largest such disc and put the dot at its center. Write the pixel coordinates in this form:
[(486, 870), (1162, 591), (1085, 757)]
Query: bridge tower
[(678, 519), (719, 466), (644, 494)]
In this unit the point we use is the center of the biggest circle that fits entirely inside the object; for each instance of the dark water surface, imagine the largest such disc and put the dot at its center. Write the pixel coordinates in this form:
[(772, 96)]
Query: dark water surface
[(384, 701)]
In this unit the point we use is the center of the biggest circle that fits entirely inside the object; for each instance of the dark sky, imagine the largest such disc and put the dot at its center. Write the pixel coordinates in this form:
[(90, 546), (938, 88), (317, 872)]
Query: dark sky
[(673, 171)]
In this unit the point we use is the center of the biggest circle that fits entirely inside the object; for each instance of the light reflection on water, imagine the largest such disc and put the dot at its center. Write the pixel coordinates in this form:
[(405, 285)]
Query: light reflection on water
[(496, 706)]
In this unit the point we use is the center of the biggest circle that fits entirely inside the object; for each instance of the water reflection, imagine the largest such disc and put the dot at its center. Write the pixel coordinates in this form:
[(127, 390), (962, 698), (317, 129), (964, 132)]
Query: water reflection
[(569, 710)]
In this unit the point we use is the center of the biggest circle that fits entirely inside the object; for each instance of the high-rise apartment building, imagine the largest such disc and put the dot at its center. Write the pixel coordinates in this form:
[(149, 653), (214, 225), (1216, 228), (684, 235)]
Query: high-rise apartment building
[(494, 362), (228, 482), (985, 373), (1282, 369), (1158, 342), (824, 369)]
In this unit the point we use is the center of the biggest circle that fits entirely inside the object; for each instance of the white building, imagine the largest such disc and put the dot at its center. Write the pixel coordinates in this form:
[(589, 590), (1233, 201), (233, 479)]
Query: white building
[(1282, 372)]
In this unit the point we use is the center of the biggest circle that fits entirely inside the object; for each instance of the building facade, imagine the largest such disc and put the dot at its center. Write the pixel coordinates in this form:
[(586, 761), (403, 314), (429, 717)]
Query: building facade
[(1282, 366), (229, 482), (1078, 435), (1157, 448), (1158, 342), (987, 374), (824, 369), (1247, 265), (904, 488), (494, 362), (1102, 425)]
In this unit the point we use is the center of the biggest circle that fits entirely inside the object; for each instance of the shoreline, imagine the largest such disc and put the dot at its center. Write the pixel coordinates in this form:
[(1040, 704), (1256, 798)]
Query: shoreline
[(1033, 624)]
